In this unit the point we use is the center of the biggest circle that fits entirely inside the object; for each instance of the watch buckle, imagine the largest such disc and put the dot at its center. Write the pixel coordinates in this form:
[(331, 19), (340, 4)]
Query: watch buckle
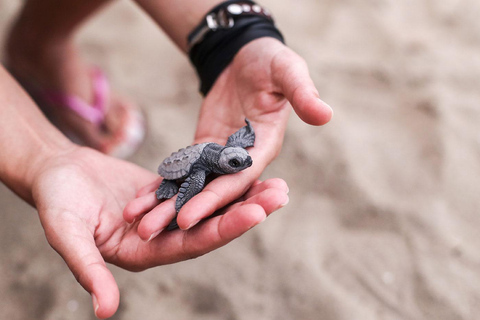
[(221, 20)]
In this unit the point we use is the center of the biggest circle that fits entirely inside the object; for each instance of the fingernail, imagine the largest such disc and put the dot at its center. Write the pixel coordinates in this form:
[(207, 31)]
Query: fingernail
[(193, 224), (257, 223), (325, 103), (156, 233), (286, 202), (95, 304)]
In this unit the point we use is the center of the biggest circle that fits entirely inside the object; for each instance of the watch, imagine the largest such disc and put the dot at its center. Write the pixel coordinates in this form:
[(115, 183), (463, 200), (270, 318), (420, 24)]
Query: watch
[(224, 16)]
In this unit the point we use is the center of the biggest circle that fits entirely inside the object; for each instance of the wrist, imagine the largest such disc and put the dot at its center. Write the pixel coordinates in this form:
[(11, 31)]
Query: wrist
[(28, 161), (27, 139), (224, 31), (178, 18), (266, 47)]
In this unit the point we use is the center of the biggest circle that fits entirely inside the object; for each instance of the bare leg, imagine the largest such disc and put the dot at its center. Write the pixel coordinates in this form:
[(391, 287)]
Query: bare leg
[(41, 43), (41, 47)]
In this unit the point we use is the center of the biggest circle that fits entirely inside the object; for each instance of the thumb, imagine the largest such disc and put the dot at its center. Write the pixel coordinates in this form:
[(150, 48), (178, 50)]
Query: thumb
[(75, 243), (291, 77)]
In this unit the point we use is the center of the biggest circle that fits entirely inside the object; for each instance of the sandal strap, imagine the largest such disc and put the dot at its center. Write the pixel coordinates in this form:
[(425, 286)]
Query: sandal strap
[(94, 112)]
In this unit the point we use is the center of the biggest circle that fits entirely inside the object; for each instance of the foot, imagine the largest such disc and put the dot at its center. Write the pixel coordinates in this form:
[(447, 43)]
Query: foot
[(55, 65)]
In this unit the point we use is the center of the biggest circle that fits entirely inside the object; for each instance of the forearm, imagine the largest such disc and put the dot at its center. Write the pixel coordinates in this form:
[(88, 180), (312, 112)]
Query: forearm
[(27, 139), (178, 18)]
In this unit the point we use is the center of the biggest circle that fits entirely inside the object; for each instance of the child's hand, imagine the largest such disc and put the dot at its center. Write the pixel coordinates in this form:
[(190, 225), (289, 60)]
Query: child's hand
[(263, 82), (80, 196)]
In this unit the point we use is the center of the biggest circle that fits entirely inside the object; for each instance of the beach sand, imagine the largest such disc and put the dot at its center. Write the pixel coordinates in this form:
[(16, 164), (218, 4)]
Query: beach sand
[(384, 213)]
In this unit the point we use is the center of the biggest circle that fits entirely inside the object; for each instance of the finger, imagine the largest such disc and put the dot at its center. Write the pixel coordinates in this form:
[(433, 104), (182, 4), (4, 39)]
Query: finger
[(219, 195), (270, 200), (225, 228), (139, 206), (278, 186), (156, 220), (216, 195), (149, 187), (75, 243), (178, 245), (259, 186), (291, 77)]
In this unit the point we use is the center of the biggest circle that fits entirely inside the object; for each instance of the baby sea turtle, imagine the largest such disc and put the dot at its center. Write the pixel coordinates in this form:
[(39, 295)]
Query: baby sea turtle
[(190, 166)]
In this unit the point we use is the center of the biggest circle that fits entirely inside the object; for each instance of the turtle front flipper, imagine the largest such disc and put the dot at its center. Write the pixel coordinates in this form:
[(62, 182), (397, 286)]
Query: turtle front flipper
[(243, 138), (188, 189)]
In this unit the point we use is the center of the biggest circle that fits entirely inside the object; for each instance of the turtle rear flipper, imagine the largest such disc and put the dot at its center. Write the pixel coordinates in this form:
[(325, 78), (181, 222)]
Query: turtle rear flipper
[(167, 189), (173, 225)]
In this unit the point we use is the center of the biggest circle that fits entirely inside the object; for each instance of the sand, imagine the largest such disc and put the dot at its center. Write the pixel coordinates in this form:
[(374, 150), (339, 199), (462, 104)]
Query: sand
[(384, 205)]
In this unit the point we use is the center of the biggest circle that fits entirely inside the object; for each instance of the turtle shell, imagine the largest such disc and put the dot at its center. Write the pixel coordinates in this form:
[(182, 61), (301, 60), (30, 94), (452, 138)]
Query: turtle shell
[(179, 164)]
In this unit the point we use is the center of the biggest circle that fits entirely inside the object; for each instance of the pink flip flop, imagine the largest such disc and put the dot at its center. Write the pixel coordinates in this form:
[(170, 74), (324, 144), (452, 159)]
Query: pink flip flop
[(95, 112), (133, 131)]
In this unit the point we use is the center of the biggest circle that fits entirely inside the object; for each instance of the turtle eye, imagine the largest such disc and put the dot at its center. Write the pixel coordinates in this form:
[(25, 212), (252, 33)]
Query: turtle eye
[(234, 163)]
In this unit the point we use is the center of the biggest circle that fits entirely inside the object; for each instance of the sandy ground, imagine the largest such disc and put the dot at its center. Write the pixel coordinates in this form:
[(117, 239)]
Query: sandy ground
[(384, 204)]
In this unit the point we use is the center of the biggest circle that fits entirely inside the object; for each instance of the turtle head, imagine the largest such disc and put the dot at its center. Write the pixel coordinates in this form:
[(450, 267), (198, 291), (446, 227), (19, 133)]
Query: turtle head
[(233, 159)]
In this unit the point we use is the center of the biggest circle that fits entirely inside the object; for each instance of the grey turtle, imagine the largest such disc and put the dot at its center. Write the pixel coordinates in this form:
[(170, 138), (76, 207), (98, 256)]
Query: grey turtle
[(190, 166)]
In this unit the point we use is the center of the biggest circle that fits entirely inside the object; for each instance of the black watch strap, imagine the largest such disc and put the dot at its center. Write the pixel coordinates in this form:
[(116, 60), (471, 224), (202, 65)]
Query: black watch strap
[(222, 33), (225, 16)]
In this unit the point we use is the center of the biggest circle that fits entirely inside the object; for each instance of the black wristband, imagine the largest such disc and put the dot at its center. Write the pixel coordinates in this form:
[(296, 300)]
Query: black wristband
[(218, 47)]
